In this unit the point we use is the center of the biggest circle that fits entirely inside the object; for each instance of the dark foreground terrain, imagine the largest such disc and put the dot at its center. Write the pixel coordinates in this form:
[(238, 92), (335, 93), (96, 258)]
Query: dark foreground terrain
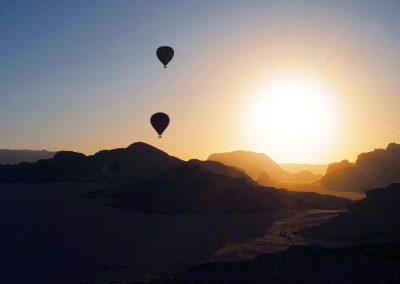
[(375, 217), (361, 245), (137, 212), (369, 263), (52, 233)]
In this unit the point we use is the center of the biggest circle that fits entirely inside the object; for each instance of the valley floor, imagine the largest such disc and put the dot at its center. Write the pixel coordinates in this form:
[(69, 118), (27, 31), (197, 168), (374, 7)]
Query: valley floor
[(50, 231), (279, 236), (317, 187)]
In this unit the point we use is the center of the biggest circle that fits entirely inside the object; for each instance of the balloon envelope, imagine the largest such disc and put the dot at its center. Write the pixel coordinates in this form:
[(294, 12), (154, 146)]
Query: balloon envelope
[(160, 122), (165, 54)]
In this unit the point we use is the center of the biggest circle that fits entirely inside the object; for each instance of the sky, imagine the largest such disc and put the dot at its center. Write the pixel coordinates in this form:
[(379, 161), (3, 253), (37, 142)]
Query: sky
[(302, 81)]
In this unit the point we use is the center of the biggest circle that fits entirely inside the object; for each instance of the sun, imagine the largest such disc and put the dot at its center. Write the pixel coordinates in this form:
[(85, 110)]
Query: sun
[(292, 116)]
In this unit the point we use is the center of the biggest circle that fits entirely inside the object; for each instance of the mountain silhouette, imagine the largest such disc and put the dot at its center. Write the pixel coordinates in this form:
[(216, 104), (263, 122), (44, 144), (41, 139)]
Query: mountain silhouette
[(11, 157), (120, 164), (258, 164), (144, 178), (378, 168), (375, 217), (135, 160), (253, 163)]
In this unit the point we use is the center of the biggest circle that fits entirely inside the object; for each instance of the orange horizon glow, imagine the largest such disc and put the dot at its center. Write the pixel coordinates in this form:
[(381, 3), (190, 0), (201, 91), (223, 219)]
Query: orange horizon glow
[(295, 86)]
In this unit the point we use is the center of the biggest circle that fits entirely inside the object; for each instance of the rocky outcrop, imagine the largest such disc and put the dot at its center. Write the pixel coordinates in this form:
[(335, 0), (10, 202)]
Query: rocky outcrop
[(378, 168), (375, 217)]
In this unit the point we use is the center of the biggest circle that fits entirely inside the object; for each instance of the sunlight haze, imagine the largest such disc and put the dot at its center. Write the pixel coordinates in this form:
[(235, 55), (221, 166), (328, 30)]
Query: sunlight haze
[(302, 81)]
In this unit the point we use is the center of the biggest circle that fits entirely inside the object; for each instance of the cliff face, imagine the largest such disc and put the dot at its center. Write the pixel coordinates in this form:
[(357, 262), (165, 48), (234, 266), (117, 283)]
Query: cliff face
[(378, 168)]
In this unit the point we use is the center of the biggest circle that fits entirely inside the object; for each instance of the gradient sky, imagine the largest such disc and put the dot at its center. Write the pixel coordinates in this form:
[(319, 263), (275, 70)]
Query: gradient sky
[(83, 75)]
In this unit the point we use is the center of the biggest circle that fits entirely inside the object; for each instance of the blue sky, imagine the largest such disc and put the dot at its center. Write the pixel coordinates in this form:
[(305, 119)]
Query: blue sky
[(82, 75)]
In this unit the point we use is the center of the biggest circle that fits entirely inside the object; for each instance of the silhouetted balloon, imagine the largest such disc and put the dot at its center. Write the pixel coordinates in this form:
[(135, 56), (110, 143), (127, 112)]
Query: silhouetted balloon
[(165, 54), (160, 122)]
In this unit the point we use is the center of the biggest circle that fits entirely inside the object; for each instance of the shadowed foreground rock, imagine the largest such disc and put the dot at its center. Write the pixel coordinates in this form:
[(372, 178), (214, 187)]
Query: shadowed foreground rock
[(375, 217), (376, 263), (192, 189), (371, 263)]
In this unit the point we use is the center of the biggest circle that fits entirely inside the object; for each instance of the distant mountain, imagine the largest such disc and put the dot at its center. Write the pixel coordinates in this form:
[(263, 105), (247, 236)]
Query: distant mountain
[(378, 168), (295, 168), (256, 165), (265, 180), (302, 177), (375, 217), (18, 156), (253, 163)]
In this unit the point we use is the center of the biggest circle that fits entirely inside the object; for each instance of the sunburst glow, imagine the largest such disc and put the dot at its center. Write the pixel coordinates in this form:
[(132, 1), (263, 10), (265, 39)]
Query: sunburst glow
[(291, 115)]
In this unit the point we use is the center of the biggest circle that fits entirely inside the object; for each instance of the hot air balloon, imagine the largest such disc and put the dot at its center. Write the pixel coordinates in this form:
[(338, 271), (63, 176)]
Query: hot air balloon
[(165, 54), (160, 122)]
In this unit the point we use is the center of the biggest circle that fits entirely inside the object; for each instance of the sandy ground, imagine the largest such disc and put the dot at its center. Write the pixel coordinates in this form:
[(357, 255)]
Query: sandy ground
[(49, 233), (278, 237)]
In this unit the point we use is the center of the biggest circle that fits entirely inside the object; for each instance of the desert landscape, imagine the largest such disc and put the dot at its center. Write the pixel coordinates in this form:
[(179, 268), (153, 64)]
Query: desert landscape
[(199, 142)]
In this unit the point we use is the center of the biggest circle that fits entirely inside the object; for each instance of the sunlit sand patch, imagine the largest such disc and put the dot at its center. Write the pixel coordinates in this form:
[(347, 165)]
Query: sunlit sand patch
[(280, 236)]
